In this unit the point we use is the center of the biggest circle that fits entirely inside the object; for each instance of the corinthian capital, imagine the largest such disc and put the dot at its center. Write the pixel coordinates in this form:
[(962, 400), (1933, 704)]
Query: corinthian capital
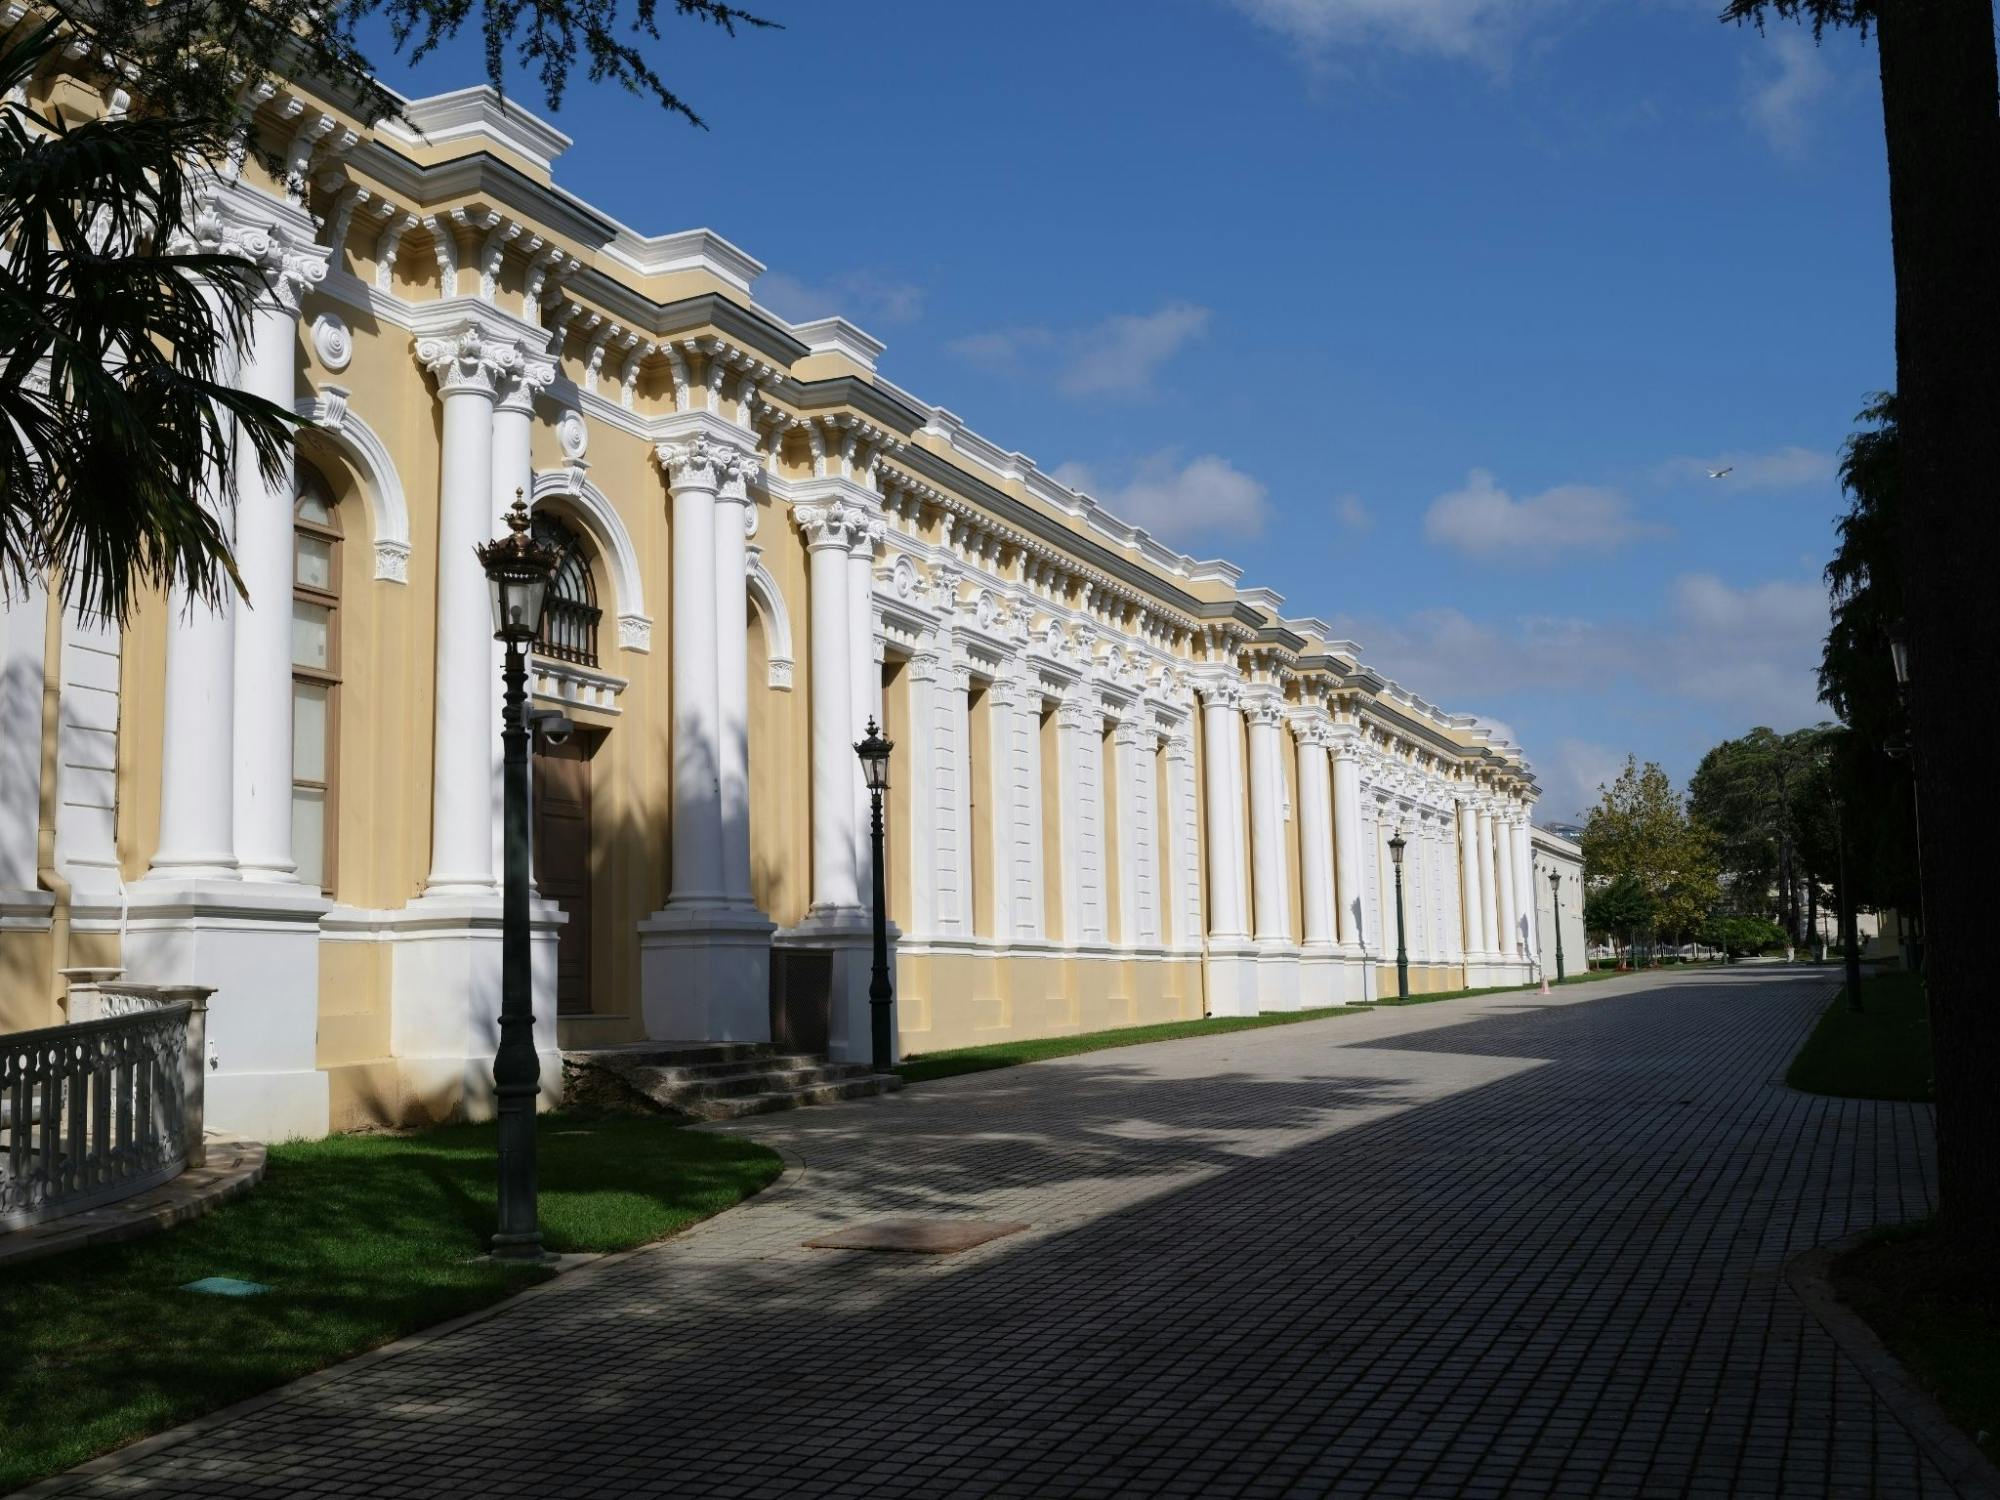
[(828, 525), (469, 360), (530, 379), (291, 264), (1264, 709), (704, 463), (1220, 692)]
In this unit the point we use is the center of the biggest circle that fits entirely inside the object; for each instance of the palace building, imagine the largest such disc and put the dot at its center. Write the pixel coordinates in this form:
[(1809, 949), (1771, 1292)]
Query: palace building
[(1126, 787)]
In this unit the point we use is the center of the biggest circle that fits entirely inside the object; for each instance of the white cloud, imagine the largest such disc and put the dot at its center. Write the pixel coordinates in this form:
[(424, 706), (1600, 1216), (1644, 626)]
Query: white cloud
[(1483, 520), (1572, 775), (1352, 514), (1786, 468), (862, 297), (1781, 98), (1117, 357), (1718, 654), (1179, 501), (1450, 28)]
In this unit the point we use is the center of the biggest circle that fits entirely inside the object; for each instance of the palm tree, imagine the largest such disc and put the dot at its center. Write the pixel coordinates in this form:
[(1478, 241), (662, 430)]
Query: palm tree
[(117, 419)]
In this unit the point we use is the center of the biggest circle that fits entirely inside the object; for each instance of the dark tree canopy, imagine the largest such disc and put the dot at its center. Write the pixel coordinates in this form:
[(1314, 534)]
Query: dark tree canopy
[(1940, 79), (190, 58)]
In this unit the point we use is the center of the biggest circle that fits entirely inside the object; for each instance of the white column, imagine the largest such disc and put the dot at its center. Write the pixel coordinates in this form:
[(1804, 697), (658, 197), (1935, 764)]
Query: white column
[(695, 472), (1347, 842), (1003, 793), (513, 473), (197, 752), (945, 744), (732, 626), (1524, 884), (1221, 727), (829, 537), (864, 675), (1509, 944), (1025, 756), (1183, 832), (1489, 884), (925, 669), (24, 629), (1270, 887), (1409, 823), (1442, 894), (1138, 835), (1080, 736), (1472, 890), (262, 734), (1316, 866), (470, 369)]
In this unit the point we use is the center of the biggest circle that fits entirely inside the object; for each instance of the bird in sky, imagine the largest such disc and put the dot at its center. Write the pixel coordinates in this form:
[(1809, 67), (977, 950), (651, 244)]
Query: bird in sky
[(1718, 473)]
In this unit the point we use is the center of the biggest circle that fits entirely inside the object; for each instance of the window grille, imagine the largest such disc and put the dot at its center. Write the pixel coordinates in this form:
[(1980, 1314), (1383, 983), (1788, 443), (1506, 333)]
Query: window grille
[(569, 619)]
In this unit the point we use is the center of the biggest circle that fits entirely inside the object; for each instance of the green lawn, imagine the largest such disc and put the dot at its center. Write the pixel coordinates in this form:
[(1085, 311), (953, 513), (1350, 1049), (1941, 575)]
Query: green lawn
[(924, 1067), (362, 1238), (1938, 1315), (1884, 1052)]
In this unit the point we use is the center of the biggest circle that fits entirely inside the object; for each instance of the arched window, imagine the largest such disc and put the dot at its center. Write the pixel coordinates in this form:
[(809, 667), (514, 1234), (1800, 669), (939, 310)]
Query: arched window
[(315, 676), (569, 619)]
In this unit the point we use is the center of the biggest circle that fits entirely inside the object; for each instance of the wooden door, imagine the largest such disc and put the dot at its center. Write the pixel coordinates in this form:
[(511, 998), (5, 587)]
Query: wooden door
[(562, 860)]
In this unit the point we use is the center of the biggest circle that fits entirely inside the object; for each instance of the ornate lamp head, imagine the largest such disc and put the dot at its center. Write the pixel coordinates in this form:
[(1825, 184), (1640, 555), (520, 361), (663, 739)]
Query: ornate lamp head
[(519, 569), (874, 753)]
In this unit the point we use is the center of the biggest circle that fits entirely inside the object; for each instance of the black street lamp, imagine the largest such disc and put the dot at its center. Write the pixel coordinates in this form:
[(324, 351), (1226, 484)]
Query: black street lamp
[(874, 753), (1396, 847), (1556, 904), (519, 569)]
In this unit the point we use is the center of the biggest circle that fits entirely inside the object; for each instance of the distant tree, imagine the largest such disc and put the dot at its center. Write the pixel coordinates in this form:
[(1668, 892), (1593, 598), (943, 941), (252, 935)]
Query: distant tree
[(1940, 83), (1740, 936), (1763, 797), (1641, 828), (1619, 911), (1855, 676)]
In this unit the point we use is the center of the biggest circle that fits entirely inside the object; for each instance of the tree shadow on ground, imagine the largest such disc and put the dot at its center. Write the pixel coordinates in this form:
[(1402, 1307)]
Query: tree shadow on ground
[(1338, 1270)]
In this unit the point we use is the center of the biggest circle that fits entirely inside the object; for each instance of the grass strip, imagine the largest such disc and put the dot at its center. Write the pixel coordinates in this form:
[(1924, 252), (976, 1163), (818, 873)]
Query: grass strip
[(929, 1066), (361, 1238), (1882, 1051), (1939, 1314)]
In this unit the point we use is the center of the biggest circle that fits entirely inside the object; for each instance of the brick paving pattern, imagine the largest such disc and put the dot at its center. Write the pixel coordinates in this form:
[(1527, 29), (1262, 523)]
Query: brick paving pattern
[(1507, 1246)]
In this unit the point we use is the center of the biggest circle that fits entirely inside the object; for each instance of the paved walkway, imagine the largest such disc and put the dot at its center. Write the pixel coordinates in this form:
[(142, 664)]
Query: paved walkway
[(1503, 1246)]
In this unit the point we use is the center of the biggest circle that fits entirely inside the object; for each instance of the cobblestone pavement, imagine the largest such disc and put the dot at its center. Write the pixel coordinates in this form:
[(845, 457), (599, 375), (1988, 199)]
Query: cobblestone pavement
[(1502, 1246)]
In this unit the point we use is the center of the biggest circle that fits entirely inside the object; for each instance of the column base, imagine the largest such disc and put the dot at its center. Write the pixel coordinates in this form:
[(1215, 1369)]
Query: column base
[(444, 999), (1320, 976), (1229, 977), (847, 936), (705, 973), (257, 946), (1277, 976)]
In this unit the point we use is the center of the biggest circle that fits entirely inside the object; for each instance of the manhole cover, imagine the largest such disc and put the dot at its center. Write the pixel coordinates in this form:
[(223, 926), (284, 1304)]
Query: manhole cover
[(225, 1286), (918, 1236)]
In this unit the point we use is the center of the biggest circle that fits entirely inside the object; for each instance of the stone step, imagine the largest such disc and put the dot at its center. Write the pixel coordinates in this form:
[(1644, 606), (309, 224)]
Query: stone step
[(715, 1081), (685, 1054), (668, 1086), (739, 1106)]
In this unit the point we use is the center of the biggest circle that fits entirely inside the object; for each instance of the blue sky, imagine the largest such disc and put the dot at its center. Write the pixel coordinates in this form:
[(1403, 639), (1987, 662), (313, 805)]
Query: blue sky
[(1430, 313)]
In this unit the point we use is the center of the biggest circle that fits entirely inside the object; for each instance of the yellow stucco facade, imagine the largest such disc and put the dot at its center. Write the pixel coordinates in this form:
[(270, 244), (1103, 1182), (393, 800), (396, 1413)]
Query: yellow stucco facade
[(1126, 789)]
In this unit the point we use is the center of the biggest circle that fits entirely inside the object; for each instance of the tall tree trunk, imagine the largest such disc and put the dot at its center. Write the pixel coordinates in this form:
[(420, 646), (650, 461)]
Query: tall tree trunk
[(1939, 108)]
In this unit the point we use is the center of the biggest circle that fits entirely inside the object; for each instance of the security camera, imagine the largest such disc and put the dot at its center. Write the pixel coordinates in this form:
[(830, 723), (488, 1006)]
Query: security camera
[(554, 727)]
